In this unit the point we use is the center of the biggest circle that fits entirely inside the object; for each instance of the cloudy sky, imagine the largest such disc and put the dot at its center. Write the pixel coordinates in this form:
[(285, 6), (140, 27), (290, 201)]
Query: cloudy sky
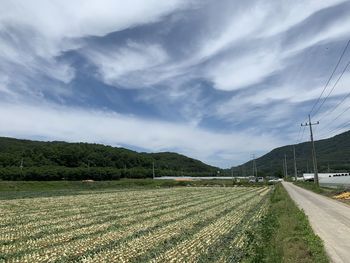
[(215, 80)]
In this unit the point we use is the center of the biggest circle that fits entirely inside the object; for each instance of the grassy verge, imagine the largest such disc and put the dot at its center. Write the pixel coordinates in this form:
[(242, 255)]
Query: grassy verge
[(284, 234), (329, 192), (26, 189), (312, 187), (98, 185), (79, 185)]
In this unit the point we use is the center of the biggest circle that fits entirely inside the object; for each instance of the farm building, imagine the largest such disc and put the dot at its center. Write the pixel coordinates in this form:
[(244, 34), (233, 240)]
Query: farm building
[(330, 179)]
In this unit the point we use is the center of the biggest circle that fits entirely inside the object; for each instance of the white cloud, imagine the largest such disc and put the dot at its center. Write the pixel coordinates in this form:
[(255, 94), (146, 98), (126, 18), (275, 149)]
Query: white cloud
[(33, 34), (258, 104), (254, 20), (286, 14), (334, 31), (128, 65), (59, 19), (260, 26), (238, 72), (237, 44), (235, 24), (73, 124), (4, 82), (30, 53)]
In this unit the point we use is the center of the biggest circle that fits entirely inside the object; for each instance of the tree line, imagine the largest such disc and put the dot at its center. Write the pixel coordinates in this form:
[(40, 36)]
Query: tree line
[(35, 160)]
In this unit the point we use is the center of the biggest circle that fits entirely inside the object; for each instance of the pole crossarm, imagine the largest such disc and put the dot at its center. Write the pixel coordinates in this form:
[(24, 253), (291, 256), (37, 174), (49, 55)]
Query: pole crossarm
[(308, 124)]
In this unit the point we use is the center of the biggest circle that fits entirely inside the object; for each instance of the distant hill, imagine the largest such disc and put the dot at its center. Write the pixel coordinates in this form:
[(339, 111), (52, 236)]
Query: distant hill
[(47, 156), (332, 153)]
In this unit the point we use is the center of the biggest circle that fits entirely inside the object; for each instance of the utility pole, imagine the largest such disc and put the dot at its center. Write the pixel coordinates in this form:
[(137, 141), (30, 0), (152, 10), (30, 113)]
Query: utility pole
[(295, 165), (232, 175), (153, 174), (285, 165), (255, 171), (284, 168), (314, 160), (21, 165)]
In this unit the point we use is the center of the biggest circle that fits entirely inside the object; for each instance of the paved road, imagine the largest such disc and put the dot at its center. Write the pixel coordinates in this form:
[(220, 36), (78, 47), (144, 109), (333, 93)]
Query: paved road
[(329, 219)]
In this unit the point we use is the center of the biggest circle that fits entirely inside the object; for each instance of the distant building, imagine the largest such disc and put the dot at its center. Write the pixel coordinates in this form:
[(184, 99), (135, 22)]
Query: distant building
[(330, 179)]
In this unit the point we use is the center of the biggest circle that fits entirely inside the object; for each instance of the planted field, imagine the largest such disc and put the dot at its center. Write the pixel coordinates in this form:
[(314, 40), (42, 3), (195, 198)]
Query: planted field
[(164, 225)]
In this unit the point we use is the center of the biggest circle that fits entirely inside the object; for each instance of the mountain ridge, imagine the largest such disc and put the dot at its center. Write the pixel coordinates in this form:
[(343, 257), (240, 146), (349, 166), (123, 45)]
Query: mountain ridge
[(333, 154)]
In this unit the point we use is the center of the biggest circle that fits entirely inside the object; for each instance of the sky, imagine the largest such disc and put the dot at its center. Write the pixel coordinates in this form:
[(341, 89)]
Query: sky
[(214, 80)]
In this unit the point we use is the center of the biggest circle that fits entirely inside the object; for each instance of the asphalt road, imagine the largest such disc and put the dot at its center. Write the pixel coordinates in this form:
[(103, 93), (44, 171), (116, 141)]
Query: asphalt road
[(329, 219)]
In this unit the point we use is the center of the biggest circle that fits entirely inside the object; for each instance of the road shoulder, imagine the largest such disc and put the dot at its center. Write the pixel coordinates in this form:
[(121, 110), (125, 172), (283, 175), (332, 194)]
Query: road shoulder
[(329, 219)]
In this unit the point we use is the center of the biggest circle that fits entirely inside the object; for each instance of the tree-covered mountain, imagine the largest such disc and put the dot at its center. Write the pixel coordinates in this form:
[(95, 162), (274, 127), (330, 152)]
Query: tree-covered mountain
[(45, 157), (333, 154)]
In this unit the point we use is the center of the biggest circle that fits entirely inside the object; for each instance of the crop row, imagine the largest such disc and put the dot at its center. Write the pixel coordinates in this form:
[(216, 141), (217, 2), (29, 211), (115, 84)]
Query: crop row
[(99, 226), (127, 226), (39, 224)]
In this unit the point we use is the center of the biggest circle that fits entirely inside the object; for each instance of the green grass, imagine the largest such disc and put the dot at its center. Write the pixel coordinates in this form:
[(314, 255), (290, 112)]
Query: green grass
[(26, 189), (312, 187), (329, 192), (77, 185), (98, 185), (285, 234)]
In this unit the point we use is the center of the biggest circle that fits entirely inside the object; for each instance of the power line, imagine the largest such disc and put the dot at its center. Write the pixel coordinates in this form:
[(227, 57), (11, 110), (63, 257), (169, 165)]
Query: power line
[(299, 134), (331, 76), (298, 73), (337, 129), (335, 84), (339, 103), (302, 135), (336, 118), (336, 106), (325, 87)]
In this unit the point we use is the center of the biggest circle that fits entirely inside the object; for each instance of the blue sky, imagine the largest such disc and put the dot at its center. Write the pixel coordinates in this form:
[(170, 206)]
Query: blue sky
[(214, 80)]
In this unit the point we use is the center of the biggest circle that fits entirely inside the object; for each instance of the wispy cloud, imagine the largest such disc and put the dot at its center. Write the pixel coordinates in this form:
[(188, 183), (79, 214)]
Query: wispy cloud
[(46, 121), (199, 77), (130, 65)]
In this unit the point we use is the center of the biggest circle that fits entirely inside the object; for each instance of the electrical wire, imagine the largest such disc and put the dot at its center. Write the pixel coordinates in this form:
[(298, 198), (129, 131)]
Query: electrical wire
[(335, 84), (331, 76), (302, 135)]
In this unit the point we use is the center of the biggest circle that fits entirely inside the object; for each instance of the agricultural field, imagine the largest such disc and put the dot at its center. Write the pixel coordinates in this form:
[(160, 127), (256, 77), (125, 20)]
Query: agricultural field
[(189, 224)]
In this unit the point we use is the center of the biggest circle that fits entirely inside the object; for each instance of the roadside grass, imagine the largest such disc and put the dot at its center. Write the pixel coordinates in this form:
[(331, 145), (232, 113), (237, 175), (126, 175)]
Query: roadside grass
[(312, 187), (284, 234), (27, 189), (78, 185), (326, 191)]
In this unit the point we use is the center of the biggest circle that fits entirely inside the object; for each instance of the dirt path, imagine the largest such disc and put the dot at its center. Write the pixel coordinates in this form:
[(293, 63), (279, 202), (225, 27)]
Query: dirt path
[(329, 218)]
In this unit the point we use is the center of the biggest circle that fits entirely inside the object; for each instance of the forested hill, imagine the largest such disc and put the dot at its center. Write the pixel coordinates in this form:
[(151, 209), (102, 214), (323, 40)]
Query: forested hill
[(56, 159), (333, 154)]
